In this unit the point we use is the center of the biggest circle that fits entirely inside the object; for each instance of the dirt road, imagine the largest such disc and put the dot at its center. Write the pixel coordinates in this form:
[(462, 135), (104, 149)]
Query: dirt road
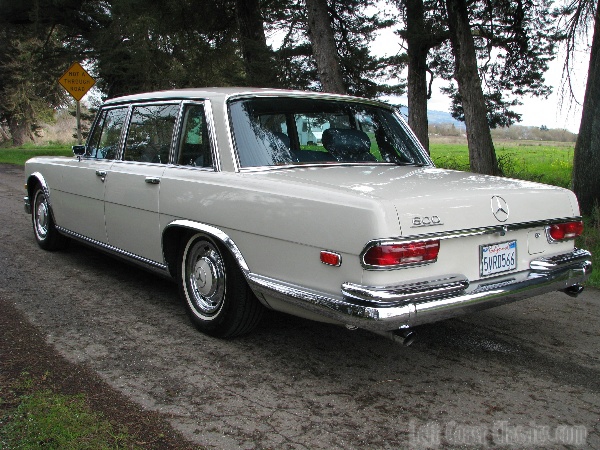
[(522, 375)]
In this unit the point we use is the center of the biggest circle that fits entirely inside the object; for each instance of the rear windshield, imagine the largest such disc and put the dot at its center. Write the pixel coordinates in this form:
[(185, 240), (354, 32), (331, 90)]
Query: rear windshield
[(284, 131)]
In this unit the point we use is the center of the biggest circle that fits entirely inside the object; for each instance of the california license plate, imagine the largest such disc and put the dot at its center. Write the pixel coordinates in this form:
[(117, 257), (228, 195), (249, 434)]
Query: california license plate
[(498, 258)]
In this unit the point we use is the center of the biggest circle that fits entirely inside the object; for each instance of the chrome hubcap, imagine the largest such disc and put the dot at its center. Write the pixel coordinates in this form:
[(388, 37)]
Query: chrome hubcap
[(41, 216), (205, 272)]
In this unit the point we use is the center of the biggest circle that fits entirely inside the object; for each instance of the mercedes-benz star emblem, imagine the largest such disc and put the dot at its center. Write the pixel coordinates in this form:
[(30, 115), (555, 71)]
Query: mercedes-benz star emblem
[(499, 208)]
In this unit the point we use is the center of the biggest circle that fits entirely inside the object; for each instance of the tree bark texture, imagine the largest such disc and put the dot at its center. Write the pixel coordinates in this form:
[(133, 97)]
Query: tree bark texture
[(323, 46), (482, 156), (20, 130), (586, 164), (260, 67), (418, 48)]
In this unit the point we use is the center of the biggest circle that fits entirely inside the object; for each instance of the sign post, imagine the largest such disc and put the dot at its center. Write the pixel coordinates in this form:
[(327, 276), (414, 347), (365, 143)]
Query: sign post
[(77, 82)]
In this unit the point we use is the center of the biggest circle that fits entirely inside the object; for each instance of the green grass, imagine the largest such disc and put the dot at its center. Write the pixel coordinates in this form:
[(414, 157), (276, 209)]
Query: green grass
[(548, 163), (44, 419), (18, 155)]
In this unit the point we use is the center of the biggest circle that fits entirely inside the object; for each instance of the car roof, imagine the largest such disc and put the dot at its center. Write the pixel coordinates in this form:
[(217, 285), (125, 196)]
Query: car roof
[(222, 94)]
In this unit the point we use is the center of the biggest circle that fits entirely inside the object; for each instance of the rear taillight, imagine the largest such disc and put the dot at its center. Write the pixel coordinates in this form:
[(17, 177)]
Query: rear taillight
[(402, 254), (564, 231)]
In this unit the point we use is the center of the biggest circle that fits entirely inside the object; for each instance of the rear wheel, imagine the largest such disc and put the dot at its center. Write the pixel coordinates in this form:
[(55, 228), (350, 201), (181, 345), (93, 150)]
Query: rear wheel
[(215, 292), (46, 234)]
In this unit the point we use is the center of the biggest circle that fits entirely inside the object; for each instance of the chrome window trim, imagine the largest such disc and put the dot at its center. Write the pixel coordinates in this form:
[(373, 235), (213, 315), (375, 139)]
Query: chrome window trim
[(95, 124), (212, 135), (212, 139), (317, 96), (501, 230), (128, 122)]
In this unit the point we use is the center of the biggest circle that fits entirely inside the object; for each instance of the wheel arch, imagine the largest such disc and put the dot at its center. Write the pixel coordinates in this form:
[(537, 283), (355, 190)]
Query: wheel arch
[(35, 179), (180, 230)]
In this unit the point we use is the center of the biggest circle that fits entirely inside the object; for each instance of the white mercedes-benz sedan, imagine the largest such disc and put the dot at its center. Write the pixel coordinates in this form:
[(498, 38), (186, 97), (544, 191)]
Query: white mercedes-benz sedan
[(322, 206)]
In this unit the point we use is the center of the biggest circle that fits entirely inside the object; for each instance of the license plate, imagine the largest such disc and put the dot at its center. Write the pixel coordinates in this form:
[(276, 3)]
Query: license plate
[(498, 258)]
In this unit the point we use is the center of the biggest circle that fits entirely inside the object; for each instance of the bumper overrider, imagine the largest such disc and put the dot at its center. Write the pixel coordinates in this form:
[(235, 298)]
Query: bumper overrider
[(388, 308)]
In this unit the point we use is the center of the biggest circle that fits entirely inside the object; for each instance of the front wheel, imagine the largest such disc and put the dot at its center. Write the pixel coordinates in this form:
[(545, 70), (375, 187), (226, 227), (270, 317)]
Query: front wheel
[(216, 295), (46, 234)]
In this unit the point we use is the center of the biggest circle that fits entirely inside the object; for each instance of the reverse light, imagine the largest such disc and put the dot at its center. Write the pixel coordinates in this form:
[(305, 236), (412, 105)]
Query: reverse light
[(402, 254), (565, 231)]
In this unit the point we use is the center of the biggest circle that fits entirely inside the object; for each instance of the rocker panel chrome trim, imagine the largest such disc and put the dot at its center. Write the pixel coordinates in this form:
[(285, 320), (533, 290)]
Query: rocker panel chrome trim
[(140, 260)]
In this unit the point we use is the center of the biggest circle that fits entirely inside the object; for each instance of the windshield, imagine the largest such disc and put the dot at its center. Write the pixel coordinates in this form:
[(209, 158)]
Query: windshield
[(284, 131)]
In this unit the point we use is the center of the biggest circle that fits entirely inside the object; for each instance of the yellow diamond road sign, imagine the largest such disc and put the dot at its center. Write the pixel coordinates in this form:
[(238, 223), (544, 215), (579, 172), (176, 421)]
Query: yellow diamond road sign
[(76, 81)]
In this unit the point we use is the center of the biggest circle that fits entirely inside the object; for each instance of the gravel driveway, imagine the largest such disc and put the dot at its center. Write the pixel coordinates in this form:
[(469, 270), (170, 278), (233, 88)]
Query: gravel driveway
[(522, 375)]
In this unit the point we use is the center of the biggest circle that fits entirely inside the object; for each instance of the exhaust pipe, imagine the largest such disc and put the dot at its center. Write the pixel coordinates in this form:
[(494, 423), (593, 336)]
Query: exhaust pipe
[(403, 336), (573, 291)]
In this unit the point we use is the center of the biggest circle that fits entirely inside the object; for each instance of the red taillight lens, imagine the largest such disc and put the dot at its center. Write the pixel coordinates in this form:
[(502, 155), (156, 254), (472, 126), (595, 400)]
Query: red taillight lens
[(565, 231), (331, 258), (402, 254)]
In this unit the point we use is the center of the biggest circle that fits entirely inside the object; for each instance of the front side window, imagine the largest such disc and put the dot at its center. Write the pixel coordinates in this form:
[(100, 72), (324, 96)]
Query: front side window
[(104, 140), (150, 133), (284, 131)]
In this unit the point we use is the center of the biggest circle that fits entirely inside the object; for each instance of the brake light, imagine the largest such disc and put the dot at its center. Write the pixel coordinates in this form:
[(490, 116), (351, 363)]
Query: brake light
[(565, 231), (389, 255)]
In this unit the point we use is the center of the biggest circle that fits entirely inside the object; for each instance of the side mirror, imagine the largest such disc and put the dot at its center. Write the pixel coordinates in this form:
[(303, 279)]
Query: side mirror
[(78, 150)]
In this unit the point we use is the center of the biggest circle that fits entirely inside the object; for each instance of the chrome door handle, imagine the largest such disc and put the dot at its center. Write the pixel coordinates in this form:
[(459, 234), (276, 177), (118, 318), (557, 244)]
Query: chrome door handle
[(151, 180), (101, 174)]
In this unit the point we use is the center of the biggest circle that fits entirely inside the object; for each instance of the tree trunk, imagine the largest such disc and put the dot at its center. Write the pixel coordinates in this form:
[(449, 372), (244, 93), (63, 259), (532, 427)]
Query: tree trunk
[(323, 46), (482, 156), (258, 59), (586, 164), (20, 131), (418, 48)]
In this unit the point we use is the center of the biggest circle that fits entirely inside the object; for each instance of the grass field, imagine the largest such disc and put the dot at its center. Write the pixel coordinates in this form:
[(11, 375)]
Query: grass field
[(19, 155), (546, 162)]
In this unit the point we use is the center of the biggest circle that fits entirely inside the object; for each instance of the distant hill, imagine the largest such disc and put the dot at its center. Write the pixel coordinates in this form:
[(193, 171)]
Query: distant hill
[(436, 117)]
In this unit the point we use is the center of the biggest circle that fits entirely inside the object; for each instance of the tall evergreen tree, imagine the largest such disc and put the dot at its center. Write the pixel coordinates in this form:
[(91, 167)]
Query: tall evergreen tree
[(425, 29), (322, 39), (259, 60), (586, 164), (482, 155), (512, 42), (33, 58), (353, 30)]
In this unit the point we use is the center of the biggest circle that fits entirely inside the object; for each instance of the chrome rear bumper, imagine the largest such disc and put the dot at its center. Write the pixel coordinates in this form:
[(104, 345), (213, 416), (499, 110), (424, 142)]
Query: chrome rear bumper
[(387, 308)]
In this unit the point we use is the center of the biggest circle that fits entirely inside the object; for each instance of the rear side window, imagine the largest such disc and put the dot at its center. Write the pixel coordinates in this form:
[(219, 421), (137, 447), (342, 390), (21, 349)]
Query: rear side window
[(150, 133), (104, 141), (194, 146)]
